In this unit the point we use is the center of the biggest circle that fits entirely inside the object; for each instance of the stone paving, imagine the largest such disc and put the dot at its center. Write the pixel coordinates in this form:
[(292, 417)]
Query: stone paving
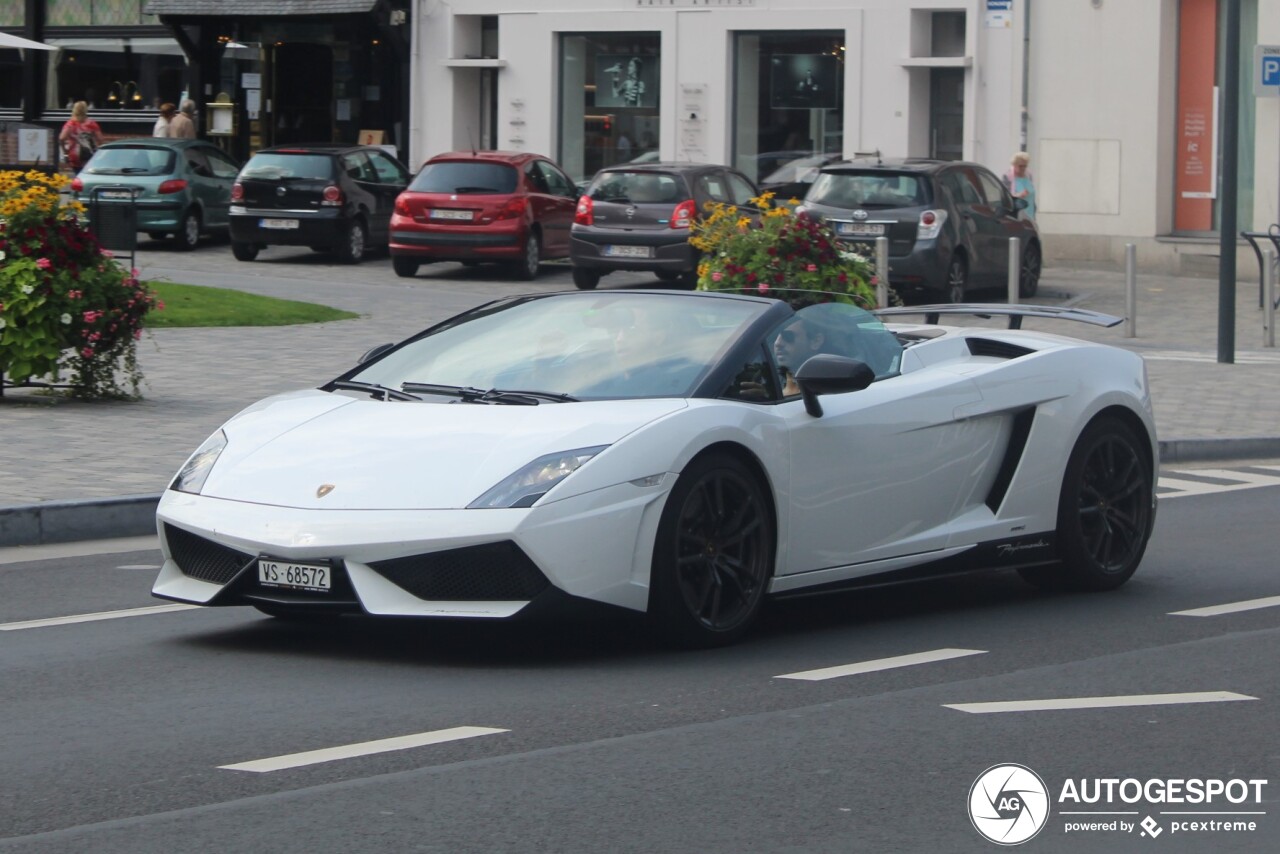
[(54, 450)]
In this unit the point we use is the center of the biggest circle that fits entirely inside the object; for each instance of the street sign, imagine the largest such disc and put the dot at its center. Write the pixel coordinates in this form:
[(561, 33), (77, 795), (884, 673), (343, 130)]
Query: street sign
[(1266, 71)]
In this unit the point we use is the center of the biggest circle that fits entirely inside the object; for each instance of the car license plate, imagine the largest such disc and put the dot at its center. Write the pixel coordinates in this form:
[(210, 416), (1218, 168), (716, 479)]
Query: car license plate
[(861, 229), (628, 251), (115, 194), (278, 223), (294, 576), (442, 213)]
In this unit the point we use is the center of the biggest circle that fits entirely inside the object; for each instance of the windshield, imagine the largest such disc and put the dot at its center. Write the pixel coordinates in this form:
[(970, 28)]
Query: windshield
[(867, 190), (276, 167), (465, 177), (587, 346), (639, 187), (131, 160)]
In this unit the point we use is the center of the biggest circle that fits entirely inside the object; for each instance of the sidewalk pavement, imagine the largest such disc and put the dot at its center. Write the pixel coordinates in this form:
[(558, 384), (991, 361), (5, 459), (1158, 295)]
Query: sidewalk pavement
[(72, 470)]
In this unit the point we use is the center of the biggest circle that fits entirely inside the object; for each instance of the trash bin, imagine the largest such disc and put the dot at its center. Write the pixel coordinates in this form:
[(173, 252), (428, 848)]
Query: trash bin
[(113, 219)]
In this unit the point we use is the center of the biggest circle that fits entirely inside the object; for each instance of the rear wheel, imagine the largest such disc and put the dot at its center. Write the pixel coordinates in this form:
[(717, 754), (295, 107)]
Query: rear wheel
[(187, 237), (244, 251), (957, 279), (713, 555), (1029, 277), (406, 268), (351, 247), (527, 268), (585, 280)]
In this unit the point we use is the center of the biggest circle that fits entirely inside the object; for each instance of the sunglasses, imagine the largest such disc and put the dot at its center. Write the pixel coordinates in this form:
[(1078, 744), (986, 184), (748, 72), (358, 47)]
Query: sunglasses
[(788, 336)]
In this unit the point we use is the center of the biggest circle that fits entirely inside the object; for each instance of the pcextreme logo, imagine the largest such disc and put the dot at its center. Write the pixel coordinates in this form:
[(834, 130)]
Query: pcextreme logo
[(1009, 804)]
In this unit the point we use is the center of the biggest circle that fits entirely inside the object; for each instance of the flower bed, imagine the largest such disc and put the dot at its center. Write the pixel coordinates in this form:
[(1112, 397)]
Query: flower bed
[(65, 304)]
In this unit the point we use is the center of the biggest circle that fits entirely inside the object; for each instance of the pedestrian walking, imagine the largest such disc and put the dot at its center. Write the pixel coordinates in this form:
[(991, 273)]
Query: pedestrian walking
[(80, 137), (162, 128), (183, 124), (1018, 180)]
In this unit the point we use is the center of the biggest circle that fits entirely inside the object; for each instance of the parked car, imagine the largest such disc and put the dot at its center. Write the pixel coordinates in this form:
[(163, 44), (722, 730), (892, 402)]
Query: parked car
[(181, 187), (473, 206), (643, 449), (331, 197), (792, 179), (948, 223), (637, 217)]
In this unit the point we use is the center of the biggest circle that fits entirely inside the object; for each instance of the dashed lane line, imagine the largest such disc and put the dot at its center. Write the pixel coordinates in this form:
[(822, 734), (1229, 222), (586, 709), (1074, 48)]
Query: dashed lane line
[(363, 748), (1098, 702), (93, 618), (880, 664), (1229, 608)]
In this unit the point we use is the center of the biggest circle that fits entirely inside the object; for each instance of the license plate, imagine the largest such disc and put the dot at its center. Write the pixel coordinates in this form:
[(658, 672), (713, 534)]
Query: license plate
[(861, 229), (628, 251), (278, 223), (115, 194), (294, 576), (441, 213)]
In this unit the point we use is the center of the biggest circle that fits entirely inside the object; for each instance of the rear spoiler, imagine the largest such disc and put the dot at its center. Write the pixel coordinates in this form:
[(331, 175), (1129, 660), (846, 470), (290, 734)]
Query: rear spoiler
[(1015, 313)]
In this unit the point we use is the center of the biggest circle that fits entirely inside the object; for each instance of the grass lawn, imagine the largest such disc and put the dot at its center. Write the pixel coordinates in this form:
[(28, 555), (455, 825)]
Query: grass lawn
[(195, 305)]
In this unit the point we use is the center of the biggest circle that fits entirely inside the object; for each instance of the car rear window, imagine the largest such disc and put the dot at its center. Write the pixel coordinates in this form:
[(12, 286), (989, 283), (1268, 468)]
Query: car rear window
[(465, 176), (275, 166), (638, 187), (868, 189), (131, 160)]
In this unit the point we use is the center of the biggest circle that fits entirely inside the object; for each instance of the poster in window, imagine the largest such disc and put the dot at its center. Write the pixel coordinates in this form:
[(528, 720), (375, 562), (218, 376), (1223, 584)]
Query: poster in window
[(804, 81), (624, 80)]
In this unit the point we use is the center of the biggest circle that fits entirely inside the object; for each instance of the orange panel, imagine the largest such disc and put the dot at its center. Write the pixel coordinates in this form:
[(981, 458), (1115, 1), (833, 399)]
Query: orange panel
[(1197, 46)]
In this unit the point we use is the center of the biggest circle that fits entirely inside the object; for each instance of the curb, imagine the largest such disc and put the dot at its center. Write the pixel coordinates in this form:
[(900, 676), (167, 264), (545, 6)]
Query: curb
[(135, 515)]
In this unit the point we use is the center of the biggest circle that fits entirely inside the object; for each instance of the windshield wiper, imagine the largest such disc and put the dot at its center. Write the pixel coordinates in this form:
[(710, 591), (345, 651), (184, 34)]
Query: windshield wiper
[(374, 389), (493, 395)]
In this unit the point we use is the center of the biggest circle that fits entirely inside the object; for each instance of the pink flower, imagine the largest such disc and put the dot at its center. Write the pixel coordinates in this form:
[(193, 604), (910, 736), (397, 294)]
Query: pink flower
[(137, 334), (716, 276), (44, 264), (87, 352), (875, 280), (159, 305), (764, 289), (812, 268), (134, 272), (90, 316), (107, 253), (74, 294)]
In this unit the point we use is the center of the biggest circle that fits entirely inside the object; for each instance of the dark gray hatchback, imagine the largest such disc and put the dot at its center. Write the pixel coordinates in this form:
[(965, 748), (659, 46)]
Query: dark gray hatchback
[(637, 217), (948, 224)]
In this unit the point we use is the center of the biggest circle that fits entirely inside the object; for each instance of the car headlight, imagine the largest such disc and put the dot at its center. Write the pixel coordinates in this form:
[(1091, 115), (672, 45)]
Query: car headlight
[(533, 481), (193, 474)]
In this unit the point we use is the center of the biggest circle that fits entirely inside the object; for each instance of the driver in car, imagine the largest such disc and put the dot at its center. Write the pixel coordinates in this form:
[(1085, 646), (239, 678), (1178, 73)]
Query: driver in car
[(793, 347)]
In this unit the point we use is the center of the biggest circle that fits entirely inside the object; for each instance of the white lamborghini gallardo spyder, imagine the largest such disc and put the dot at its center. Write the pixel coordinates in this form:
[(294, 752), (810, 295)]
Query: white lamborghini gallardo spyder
[(682, 454)]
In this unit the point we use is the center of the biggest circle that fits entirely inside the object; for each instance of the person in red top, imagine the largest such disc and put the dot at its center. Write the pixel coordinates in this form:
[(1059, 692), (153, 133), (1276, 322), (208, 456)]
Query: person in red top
[(80, 136)]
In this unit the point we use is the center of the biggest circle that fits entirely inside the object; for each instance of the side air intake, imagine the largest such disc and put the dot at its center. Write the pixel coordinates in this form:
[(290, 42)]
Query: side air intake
[(996, 349)]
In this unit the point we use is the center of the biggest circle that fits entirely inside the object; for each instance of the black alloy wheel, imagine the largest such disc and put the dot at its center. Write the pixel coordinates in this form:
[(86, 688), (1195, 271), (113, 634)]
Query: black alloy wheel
[(585, 280), (1029, 278), (527, 268), (187, 237), (957, 279), (352, 245), (405, 267), (244, 251), (1105, 510), (713, 556)]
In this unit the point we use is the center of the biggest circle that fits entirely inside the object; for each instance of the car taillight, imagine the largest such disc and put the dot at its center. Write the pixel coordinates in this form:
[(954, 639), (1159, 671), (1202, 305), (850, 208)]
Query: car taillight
[(513, 209), (77, 185), (930, 224), (585, 214), (173, 185), (684, 213), (402, 206), (237, 192), (332, 195)]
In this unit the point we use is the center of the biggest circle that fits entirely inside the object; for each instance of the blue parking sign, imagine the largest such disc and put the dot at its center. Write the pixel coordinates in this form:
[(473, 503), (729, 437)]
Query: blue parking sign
[(1266, 71)]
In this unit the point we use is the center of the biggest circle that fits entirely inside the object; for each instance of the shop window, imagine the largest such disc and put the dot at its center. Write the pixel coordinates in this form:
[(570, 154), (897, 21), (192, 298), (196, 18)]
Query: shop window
[(115, 74), (788, 99), (609, 107)]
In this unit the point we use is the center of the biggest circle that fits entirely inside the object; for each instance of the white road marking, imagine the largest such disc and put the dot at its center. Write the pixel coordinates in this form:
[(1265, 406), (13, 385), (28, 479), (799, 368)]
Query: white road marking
[(1242, 358), (1236, 480), (93, 618), (880, 664), (1229, 608), (1098, 702), (364, 748), (139, 566)]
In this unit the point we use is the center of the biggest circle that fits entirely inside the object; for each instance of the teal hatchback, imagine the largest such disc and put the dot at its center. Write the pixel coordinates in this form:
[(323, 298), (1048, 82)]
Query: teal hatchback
[(181, 187)]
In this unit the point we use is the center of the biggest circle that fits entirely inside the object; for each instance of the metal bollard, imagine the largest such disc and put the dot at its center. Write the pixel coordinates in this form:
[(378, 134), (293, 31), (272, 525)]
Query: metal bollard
[(1269, 299), (1131, 290), (882, 272), (1015, 268)]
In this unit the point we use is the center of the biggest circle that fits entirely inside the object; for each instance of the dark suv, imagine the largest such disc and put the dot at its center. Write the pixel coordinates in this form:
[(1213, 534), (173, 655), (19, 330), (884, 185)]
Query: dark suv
[(948, 223), (333, 198), (637, 217)]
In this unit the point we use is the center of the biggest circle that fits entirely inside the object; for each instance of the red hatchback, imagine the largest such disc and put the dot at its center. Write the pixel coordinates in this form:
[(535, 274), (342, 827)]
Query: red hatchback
[(474, 206)]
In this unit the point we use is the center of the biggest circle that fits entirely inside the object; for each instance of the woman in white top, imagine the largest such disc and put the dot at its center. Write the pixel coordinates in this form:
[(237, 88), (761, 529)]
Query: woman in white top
[(162, 124)]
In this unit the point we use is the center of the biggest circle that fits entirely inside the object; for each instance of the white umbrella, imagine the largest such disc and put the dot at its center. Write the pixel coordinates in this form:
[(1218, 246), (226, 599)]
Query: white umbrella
[(7, 40)]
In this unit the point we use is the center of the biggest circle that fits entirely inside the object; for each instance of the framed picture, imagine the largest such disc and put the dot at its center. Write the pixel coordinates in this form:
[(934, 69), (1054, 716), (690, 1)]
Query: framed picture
[(626, 80), (804, 81)]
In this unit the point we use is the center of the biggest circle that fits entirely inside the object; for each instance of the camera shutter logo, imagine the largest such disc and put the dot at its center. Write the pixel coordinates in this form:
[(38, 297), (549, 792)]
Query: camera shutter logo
[(1008, 804)]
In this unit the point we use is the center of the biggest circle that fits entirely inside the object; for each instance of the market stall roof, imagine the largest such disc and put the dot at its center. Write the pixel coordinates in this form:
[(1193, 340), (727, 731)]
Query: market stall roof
[(7, 40)]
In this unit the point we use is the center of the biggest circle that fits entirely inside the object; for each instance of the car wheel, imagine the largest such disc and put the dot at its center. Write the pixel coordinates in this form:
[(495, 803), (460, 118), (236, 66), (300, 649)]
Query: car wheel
[(1104, 510), (527, 269), (1029, 279), (957, 279), (406, 268), (351, 247), (585, 280), (667, 276), (713, 554), (187, 237), (244, 251)]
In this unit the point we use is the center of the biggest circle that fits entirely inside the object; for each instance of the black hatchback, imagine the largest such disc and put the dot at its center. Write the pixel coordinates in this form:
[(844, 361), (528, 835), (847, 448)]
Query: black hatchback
[(637, 217), (330, 197), (948, 224)]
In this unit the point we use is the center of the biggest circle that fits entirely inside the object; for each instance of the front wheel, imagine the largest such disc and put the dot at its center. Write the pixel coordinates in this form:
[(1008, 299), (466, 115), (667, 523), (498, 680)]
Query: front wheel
[(1029, 277), (187, 237), (244, 251), (585, 280), (406, 268), (351, 246), (713, 555), (957, 279)]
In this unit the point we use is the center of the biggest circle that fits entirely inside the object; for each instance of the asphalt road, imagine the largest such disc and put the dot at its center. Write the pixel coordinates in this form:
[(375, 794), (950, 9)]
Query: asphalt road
[(116, 732)]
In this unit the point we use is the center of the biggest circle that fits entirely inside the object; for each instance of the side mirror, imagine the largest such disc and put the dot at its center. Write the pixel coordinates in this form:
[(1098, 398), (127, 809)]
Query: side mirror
[(831, 375), (374, 353), (1020, 205)]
